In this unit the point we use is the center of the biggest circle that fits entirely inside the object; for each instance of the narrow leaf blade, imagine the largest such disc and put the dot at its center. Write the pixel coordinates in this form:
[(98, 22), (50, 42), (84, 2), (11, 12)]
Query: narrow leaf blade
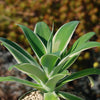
[(32, 69), (84, 47), (69, 62), (11, 78), (68, 96), (35, 42), (19, 53), (81, 41), (30, 75), (43, 31), (64, 65), (49, 43), (78, 75), (63, 36)]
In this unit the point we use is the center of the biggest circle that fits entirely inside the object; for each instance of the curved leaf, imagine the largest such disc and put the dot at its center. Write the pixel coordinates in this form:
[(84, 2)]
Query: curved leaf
[(81, 41), (32, 69), (65, 65), (48, 61), (10, 78), (68, 96), (35, 78), (86, 46), (69, 62), (35, 42), (78, 75), (19, 53), (43, 31), (63, 36)]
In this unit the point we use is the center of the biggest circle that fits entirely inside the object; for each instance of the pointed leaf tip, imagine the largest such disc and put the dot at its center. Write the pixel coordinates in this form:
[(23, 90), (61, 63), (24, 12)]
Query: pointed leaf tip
[(19, 53), (63, 36), (34, 41), (43, 31)]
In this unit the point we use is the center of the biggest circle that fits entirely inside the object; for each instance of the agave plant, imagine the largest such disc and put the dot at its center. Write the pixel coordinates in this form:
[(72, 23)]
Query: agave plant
[(54, 58)]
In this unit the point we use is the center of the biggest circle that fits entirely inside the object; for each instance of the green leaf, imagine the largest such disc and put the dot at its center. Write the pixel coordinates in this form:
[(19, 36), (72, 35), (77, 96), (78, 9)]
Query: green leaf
[(49, 43), (51, 96), (85, 46), (81, 41), (78, 75), (69, 62), (10, 78), (30, 75), (61, 67), (63, 36), (35, 42), (43, 31), (32, 69), (68, 96), (48, 62), (51, 83), (19, 53)]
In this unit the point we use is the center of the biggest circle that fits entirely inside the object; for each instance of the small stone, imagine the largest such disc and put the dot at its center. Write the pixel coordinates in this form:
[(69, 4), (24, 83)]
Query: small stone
[(33, 96)]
